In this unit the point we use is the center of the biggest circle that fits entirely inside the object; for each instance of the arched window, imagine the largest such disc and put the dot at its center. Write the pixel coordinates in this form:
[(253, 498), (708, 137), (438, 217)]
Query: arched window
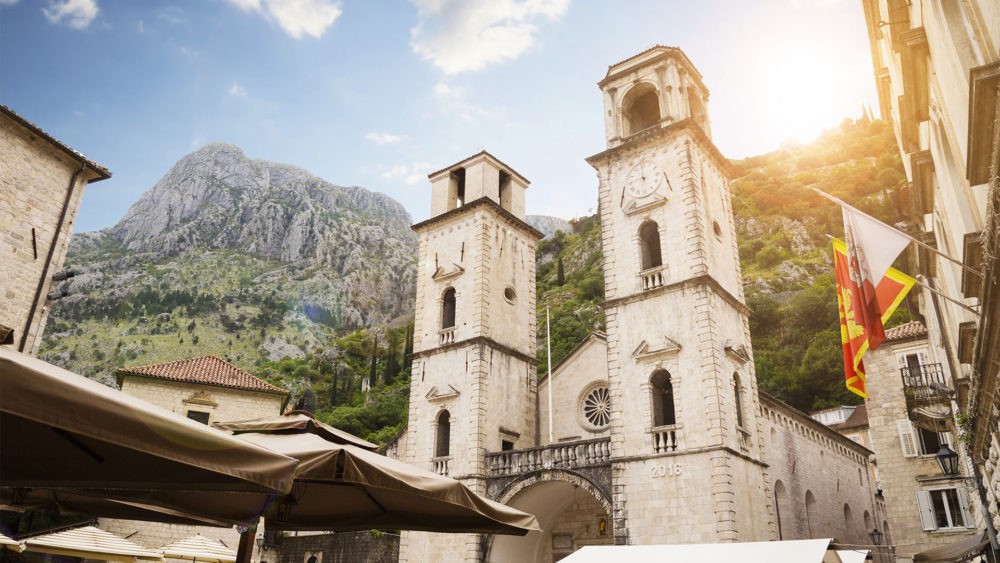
[(662, 391), (848, 526), (641, 108), (442, 447), (695, 105), (811, 521), (649, 245), (784, 512), (738, 392), (448, 308), (868, 522)]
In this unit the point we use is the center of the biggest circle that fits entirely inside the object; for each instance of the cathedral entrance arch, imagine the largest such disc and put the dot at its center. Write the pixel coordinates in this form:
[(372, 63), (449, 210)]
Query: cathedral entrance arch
[(572, 511)]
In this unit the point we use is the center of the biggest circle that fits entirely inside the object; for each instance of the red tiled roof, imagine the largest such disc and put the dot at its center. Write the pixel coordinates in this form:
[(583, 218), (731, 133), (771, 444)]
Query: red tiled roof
[(911, 329), (206, 370)]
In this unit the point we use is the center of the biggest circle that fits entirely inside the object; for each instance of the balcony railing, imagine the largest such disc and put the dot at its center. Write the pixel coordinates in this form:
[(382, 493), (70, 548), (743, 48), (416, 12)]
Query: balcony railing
[(664, 438), (744, 439), (447, 335), (925, 383), (567, 455), (440, 464), (651, 278)]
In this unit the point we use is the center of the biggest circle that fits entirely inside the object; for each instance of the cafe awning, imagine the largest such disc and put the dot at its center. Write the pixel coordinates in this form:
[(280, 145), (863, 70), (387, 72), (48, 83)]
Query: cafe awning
[(90, 542), (962, 550)]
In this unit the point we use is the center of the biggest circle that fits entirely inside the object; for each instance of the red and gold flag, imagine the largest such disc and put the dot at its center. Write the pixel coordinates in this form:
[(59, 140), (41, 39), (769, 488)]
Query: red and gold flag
[(856, 327)]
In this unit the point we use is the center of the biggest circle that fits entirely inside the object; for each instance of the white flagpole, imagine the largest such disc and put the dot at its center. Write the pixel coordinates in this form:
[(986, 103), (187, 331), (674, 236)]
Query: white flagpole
[(918, 241), (548, 356)]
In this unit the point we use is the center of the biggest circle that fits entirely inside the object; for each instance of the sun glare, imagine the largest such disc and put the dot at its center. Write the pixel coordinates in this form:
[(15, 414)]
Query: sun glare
[(804, 82)]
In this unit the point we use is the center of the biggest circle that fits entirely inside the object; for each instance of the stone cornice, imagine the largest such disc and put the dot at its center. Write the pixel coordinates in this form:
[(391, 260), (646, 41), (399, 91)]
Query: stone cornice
[(477, 341), (511, 219), (704, 279), (646, 136)]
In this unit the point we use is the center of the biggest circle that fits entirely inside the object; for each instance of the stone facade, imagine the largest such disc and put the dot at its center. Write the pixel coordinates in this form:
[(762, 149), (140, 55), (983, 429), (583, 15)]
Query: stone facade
[(41, 185), (360, 547), (220, 403), (658, 432), (906, 454), (937, 68)]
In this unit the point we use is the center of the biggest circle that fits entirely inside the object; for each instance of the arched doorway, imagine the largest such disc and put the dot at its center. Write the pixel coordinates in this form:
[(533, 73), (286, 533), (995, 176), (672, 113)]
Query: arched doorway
[(571, 511)]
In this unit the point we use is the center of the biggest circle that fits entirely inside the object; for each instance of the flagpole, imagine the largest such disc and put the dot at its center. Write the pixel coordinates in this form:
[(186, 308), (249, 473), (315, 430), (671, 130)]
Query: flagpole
[(548, 356), (931, 289), (916, 240)]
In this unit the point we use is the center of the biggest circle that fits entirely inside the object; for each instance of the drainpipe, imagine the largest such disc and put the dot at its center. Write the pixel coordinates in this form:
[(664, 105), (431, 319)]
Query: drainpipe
[(48, 257)]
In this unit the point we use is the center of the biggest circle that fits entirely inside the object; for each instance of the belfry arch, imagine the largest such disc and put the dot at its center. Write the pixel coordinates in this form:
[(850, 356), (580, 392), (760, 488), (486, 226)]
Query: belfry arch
[(640, 108), (571, 510)]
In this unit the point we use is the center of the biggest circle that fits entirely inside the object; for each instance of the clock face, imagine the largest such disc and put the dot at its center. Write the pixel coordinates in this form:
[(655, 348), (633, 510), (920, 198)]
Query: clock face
[(643, 179)]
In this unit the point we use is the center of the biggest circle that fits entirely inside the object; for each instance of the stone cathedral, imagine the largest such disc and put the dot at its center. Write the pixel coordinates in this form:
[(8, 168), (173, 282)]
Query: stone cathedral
[(658, 432)]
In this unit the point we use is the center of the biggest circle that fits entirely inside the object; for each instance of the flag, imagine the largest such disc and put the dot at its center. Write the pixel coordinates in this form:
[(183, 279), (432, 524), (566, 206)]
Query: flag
[(872, 246), (854, 333)]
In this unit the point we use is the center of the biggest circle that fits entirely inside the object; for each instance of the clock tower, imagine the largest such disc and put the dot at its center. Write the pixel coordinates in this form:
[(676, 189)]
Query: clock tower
[(685, 437)]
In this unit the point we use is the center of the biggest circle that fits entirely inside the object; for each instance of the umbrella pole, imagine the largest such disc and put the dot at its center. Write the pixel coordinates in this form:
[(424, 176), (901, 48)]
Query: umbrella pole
[(245, 551)]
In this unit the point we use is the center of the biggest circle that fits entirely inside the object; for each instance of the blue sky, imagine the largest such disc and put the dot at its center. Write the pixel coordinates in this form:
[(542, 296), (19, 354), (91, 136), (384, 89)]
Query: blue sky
[(379, 93)]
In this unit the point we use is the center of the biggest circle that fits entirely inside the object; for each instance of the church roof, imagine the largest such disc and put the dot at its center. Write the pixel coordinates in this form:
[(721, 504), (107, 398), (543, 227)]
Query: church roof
[(206, 370), (663, 51), (475, 156), (910, 330)]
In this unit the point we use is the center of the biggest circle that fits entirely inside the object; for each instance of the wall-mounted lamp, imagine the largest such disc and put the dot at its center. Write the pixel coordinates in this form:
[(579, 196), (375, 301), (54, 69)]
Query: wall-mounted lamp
[(602, 527), (947, 459), (876, 536)]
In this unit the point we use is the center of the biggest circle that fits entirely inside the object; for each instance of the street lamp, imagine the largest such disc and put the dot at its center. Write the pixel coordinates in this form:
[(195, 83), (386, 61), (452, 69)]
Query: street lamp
[(947, 458), (876, 536)]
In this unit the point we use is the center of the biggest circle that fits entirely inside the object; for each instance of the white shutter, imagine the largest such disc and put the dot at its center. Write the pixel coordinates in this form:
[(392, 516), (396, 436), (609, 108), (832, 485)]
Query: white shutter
[(907, 439), (963, 502), (945, 438), (925, 506)]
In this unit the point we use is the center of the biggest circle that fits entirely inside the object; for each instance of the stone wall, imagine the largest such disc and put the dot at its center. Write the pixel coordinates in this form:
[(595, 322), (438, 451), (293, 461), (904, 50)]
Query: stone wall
[(34, 181), (356, 547), (223, 404), (155, 535), (821, 480)]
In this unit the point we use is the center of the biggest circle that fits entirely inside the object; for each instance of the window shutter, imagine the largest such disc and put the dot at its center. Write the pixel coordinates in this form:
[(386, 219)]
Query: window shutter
[(963, 501), (907, 439), (945, 438), (926, 509)]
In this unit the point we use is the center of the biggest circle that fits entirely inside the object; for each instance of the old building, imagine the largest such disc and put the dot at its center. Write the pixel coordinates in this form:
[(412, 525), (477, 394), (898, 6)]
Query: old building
[(205, 389), (41, 184), (658, 433), (937, 67)]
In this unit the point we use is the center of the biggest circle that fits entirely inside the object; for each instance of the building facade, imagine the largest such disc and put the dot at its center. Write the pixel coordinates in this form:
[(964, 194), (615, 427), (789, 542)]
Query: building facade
[(205, 389), (41, 185), (937, 68), (657, 432)]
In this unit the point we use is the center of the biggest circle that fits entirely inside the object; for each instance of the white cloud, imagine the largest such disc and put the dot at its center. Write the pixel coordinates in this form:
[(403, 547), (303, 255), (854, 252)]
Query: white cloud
[(410, 173), (75, 13), (296, 17), (464, 35), (237, 91), (445, 90), (8, 2), (383, 138)]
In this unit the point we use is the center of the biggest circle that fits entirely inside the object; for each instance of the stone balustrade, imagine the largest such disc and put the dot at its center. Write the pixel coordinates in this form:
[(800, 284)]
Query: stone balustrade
[(664, 438), (652, 278), (744, 439), (447, 336), (567, 455), (440, 464)]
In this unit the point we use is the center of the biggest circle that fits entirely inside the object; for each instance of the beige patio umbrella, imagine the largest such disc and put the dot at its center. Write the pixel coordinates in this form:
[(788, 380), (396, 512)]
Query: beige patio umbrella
[(295, 422), (11, 543), (199, 548), (65, 433), (89, 542)]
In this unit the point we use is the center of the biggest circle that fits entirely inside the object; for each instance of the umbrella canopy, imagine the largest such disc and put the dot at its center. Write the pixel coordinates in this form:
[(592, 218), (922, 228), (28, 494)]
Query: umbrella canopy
[(296, 422), (11, 543), (61, 430), (199, 548), (961, 550), (343, 487), (91, 543), (793, 551)]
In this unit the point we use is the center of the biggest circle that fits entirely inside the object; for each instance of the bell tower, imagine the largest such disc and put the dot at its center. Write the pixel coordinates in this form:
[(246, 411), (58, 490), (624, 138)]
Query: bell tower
[(473, 386), (685, 438)]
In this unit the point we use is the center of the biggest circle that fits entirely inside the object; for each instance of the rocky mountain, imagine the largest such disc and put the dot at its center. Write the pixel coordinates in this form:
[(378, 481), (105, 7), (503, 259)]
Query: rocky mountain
[(246, 259), (548, 224)]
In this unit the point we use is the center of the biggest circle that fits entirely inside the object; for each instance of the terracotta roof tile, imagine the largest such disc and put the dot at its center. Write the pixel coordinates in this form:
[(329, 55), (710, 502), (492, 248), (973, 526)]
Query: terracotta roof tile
[(911, 329), (206, 370)]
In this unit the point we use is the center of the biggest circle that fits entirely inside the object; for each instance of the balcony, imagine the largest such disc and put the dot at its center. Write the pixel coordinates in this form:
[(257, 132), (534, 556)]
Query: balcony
[(651, 278), (664, 438), (446, 336), (440, 464), (568, 455), (928, 396)]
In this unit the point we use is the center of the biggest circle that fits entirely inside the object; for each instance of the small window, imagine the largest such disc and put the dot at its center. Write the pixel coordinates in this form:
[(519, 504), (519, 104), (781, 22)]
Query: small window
[(662, 391), (943, 508), (916, 441), (510, 295), (504, 192), (506, 445), (738, 395), (649, 245), (198, 416), (458, 185), (717, 229), (443, 446), (448, 308)]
